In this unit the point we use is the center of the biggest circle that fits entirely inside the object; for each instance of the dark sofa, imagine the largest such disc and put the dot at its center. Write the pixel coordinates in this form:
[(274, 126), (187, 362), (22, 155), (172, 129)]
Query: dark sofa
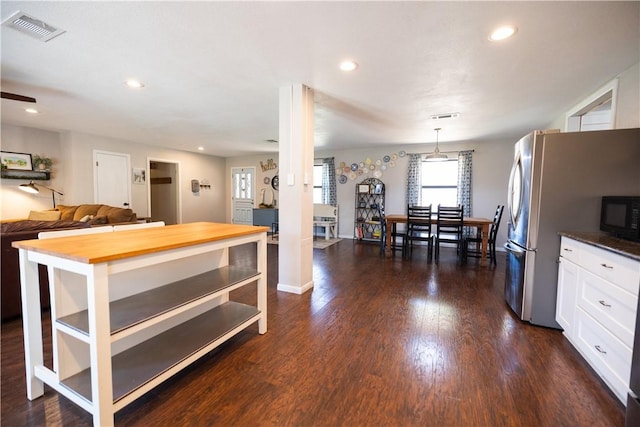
[(70, 217), (24, 230)]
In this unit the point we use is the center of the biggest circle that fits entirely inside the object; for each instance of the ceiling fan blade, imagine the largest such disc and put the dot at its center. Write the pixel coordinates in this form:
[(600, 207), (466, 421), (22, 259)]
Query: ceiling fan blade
[(15, 97)]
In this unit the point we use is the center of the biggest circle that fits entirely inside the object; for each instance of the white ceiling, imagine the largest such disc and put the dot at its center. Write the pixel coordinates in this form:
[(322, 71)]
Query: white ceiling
[(212, 70)]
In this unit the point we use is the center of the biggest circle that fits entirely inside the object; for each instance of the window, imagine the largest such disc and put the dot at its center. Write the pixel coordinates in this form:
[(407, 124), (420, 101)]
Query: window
[(439, 183), (317, 183)]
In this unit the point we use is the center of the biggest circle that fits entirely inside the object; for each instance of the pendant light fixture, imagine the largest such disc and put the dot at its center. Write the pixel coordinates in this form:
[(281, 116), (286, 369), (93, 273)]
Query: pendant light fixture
[(436, 156)]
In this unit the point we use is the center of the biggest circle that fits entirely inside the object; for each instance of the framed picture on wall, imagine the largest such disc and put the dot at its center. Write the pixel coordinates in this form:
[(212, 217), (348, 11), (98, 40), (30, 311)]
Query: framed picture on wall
[(377, 189), (139, 175), (16, 161), (363, 188)]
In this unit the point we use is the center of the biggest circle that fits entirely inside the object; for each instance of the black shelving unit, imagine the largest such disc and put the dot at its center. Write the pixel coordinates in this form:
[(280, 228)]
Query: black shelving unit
[(25, 175), (369, 197)]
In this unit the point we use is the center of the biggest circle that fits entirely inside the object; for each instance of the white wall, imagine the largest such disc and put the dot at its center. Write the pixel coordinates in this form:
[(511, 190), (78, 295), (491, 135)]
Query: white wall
[(16, 203), (628, 102), (72, 153)]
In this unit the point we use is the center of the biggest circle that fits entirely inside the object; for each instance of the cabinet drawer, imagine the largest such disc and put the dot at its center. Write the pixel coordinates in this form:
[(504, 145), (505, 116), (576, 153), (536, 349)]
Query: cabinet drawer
[(610, 358), (620, 270), (570, 249), (612, 306)]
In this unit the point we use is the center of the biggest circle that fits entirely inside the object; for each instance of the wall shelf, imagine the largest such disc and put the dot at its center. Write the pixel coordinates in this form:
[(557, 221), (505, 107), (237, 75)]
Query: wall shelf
[(27, 175)]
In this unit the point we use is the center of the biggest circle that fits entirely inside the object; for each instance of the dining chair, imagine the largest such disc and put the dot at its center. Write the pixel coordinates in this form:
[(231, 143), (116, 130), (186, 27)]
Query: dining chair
[(449, 228), (419, 229), (477, 240), (383, 234)]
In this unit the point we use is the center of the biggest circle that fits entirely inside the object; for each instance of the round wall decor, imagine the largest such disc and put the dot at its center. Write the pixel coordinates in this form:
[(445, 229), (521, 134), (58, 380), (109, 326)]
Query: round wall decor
[(275, 182), (266, 180)]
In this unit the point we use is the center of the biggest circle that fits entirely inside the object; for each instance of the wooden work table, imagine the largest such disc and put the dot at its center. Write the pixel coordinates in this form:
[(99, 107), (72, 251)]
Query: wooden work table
[(483, 225), (129, 309)]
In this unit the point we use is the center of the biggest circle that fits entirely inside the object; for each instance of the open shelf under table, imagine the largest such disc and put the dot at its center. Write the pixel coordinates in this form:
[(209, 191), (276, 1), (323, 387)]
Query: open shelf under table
[(138, 308), (137, 366)]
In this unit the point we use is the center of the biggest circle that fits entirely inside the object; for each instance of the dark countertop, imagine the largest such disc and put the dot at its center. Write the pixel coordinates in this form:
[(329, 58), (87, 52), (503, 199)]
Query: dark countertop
[(604, 241)]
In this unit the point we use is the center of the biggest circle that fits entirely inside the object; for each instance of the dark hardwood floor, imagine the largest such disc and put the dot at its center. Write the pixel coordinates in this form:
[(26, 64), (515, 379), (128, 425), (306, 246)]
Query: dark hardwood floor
[(378, 342)]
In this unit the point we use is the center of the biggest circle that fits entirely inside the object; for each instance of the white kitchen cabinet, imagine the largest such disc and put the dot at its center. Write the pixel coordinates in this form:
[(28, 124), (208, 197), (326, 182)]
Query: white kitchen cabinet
[(567, 294), (132, 308), (596, 306)]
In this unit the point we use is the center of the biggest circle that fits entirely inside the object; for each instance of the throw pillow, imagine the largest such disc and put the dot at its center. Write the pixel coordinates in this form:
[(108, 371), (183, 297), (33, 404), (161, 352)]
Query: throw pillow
[(98, 220), (44, 215), (85, 210), (66, 212), (116, 215)]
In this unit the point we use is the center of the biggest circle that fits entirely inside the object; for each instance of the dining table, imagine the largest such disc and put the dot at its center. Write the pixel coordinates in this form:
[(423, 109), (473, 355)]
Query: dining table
[(482, 224)]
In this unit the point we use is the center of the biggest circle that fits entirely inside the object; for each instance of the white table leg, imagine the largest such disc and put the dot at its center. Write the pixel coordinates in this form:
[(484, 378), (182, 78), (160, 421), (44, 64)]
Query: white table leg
[(32, 323), (100, 346), (262, 283)]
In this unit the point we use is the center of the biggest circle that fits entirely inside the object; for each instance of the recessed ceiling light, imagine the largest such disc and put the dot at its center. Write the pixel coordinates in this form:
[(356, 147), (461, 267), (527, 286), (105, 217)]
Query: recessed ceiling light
[(348, 65), (200, 148), (134, 84), (502, 33), (31, 110)]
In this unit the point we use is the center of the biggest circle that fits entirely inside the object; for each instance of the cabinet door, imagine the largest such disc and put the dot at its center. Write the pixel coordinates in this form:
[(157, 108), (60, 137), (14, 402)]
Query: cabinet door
[(567, 295)]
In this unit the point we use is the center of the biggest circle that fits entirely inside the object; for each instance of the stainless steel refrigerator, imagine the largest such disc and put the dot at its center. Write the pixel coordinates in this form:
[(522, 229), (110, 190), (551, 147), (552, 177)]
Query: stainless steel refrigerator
[(556, 184)]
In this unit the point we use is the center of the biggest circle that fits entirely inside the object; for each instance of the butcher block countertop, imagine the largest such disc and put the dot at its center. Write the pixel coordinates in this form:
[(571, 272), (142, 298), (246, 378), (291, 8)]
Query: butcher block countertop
[(104, 247), (622, 247)]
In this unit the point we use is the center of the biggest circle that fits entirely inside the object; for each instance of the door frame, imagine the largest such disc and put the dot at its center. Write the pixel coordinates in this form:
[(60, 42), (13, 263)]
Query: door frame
[(178, 186), (253, 188)]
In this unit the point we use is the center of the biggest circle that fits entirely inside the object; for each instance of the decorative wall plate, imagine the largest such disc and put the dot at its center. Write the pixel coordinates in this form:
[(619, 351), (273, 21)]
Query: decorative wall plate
[(266, 180), (402, 154), (394, 156), (386, 159), (378, 162), (377, 174), (354, 167), (342, 179)]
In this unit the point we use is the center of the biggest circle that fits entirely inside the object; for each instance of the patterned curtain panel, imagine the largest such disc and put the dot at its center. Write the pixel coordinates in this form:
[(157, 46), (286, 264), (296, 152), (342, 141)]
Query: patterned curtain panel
[(329, 193), (414, 179), (465, 163)]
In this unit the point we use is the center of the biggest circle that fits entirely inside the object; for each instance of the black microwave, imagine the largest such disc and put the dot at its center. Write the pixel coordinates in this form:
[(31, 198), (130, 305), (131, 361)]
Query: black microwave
[(620, 216)]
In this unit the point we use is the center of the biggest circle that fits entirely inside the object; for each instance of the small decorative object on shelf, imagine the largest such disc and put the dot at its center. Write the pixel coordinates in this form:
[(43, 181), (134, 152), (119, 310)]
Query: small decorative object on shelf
[(369, 199), (41, 163)]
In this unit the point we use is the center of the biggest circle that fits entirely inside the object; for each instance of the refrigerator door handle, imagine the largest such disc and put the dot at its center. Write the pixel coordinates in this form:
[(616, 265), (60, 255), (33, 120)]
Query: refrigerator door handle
[(511, 248), (517, 249)]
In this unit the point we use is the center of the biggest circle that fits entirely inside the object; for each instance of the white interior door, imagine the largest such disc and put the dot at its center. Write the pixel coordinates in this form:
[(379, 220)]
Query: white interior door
[(112, 182), (243, 190)]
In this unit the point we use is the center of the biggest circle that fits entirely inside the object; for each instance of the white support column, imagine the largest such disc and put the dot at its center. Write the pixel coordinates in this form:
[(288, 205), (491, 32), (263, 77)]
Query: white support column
[(295, 268)]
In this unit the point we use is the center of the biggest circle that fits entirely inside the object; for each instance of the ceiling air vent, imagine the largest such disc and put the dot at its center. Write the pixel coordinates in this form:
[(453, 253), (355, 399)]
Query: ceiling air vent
[(32, 26)]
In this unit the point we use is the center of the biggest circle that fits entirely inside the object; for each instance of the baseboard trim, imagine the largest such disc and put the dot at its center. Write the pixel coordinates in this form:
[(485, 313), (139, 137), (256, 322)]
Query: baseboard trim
[(299, 290)]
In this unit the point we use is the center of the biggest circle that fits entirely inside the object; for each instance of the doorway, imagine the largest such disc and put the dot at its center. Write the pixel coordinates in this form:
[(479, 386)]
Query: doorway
[(243, 189), (164, 191)]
